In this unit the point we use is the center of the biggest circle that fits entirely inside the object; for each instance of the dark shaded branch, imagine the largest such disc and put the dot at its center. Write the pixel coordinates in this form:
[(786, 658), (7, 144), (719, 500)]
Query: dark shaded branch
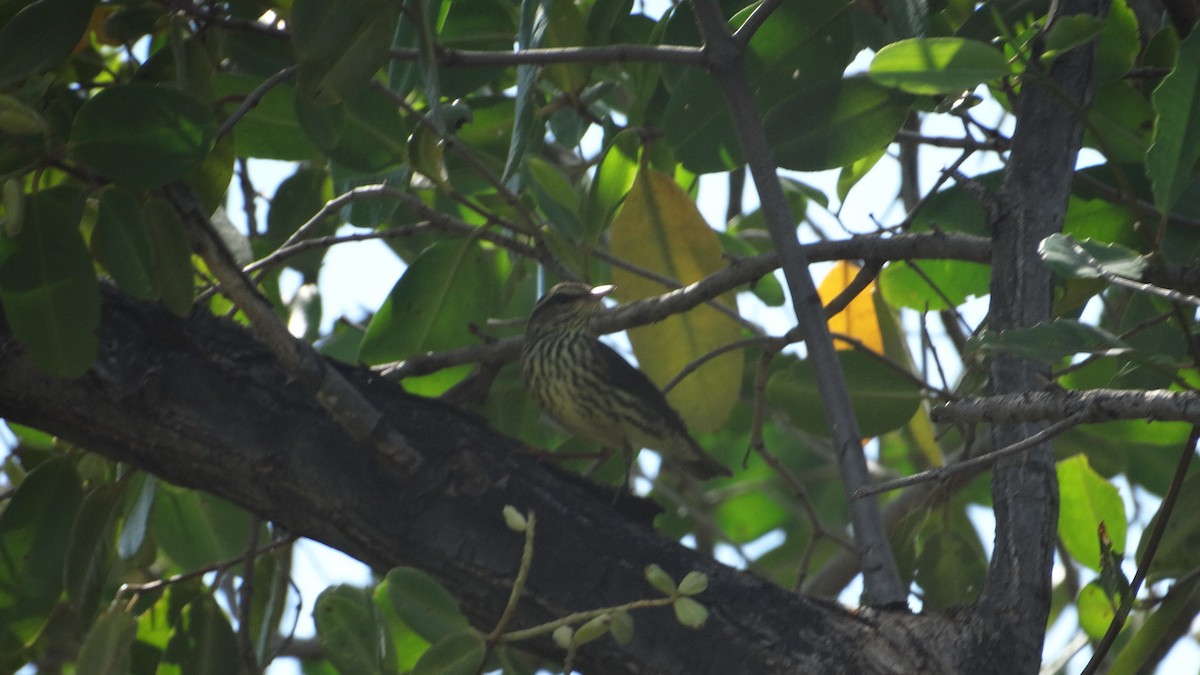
[(201, 403)]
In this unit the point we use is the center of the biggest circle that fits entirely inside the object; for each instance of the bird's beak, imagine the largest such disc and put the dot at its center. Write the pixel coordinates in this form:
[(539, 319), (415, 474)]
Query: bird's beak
[(600, 292)]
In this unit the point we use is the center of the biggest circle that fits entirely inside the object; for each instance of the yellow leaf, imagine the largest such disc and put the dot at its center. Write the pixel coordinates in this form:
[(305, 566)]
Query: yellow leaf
[(659, 228), (858, 320)]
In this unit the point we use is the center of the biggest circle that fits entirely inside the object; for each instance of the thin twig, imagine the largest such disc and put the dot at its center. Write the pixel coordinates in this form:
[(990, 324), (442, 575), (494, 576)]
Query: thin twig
[(253, 98), (987, 459)]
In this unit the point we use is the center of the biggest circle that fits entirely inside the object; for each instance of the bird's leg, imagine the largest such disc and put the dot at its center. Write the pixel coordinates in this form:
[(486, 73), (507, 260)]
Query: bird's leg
[(601, 457)]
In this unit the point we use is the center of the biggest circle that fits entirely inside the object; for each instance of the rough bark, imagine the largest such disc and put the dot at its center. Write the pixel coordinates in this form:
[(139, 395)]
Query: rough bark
[(200, 403), (1033, 199)]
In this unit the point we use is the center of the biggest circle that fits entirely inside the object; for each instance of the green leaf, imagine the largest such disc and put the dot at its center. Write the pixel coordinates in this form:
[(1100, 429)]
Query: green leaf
[(690, 613), (937, 65), (883, 399), (801, 43), (1096, 610), (34, 534), (121, 243), (424, 604), (1087, 500), (143, 134), (48, 286), (834, 123), (1119, 44), (1172, 158), (1090, 259), (1120, 122), (940, 284), (1069, 32), (270, 129), (455, 654), (106, 649), (297, 199), (340, 46), (614, 176), (951, 568), (172, 256), (592, 630), (557, 198), (196, 529), (1179, 550), (693, 583), (90, 554), (41, 36), (1050, 342), (202, 641), (660, 580), (447, 288), (527, 126), (349, 630), (622, 627), (364, 131), (133, 530)]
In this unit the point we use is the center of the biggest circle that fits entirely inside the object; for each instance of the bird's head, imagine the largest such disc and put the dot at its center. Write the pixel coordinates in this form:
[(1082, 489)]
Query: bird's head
[(566, 307)]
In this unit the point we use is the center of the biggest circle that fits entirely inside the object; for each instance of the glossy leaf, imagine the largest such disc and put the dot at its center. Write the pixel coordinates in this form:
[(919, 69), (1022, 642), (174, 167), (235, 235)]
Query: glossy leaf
[(1179, 550), (364, 131), (48, 287), (800, 44), (340, 46), (952, 566), (121, 242), (1172, 158), (91, 552), (106, 648), (34, 534), (1087, 500), (424, 604), (270, 129), (349, 630), (432, 306), (196, 528), (883, 399), (1119, 44), (202, 641), (937, 65), (172, 255), (455, 654), (660, 229), (940, 284), (834, 123), (42, 34), (1096, 610), (144, 135), (1120, 122), (1090, 259), (297, 199), (1051, 342)]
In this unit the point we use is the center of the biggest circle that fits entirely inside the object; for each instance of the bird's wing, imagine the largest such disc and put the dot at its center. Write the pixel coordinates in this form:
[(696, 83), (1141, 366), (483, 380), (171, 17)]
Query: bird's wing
[(626, 377)]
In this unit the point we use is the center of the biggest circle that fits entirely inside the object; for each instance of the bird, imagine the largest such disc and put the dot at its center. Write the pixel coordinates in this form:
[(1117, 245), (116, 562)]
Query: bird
[(594, 393)]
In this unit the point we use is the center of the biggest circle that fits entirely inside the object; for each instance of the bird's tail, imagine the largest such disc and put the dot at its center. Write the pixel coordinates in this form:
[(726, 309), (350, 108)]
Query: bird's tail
[(705, 467)]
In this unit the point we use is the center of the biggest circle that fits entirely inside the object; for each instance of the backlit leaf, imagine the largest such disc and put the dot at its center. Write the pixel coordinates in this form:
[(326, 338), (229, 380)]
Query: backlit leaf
[(659, 228)]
